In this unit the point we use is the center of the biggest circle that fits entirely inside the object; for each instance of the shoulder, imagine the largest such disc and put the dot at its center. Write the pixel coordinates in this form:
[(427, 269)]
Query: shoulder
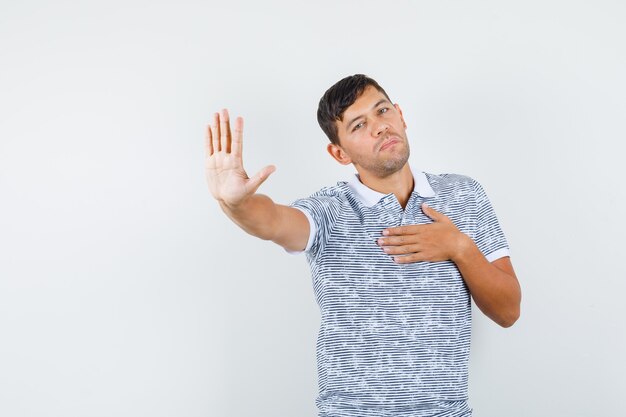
[(327, 198), (449, 182), (337, 192)]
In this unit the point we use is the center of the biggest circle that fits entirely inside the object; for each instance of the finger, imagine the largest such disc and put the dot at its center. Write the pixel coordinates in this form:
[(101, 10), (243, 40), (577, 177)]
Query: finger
[(403, 230), (259, 178), (415, 257), (397, 240), (238, 137), (432, 213), (208, 142), (225, 130), (215, 132), (401, 250)]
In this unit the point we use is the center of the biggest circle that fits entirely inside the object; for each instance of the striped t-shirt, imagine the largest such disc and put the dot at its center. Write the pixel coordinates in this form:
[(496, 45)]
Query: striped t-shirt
[(394, 339)]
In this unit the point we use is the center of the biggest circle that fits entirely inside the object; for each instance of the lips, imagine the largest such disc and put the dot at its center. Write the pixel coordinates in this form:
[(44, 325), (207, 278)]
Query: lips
[(389, 142)]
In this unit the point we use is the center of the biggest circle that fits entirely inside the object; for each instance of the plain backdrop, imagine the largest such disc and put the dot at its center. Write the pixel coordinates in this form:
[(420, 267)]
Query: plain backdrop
[(125, 291)]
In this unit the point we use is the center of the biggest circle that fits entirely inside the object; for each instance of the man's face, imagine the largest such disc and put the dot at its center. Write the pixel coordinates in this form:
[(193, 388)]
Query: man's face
[(372, 135)]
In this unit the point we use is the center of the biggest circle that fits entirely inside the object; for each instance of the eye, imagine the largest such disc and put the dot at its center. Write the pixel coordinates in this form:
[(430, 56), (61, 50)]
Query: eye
[(380, 111), (357, 126)]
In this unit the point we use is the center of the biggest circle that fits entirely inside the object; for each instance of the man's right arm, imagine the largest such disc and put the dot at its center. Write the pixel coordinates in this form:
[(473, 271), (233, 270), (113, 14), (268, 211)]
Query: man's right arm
[(228, 182), (261, 217)]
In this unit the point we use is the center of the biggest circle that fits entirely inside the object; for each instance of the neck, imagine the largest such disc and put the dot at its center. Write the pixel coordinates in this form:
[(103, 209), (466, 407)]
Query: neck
[(399, 183)]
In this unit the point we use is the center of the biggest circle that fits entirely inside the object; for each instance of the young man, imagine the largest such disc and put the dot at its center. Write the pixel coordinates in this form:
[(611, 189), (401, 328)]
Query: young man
[(395, 256)]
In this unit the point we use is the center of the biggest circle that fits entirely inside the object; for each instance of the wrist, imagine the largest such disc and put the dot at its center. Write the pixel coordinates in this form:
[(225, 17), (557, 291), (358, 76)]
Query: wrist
[(233, 207), (465, 247)]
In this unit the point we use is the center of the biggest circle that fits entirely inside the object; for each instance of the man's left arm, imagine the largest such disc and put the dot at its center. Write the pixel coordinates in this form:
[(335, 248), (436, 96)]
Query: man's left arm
[(493, 285)]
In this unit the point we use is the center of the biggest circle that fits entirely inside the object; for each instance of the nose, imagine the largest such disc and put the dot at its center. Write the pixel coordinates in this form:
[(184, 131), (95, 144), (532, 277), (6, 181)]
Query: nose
[(380, 128)]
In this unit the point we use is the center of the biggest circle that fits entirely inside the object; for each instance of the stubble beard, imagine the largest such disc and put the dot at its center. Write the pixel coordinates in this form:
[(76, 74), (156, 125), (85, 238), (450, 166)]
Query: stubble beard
[(386, 167)]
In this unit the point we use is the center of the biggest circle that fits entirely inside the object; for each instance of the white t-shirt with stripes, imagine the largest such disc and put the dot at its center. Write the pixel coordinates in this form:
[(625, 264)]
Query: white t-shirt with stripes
[(394, 339)]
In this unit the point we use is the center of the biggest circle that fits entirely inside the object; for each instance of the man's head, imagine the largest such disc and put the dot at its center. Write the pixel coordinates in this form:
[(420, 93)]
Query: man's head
[(338, 98), (363, 126)]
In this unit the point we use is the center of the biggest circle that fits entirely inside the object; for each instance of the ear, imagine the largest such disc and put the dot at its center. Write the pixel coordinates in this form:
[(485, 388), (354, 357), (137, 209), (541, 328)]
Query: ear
[(397, 106), (338, 154)]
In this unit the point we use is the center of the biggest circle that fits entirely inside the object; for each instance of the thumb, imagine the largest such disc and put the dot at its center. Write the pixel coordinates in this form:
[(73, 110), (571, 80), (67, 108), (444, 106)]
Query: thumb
[(432, 213), (259, 178)]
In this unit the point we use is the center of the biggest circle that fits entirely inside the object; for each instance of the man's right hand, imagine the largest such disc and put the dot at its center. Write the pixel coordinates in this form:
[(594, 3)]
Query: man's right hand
[(226, 177), (256, 214)]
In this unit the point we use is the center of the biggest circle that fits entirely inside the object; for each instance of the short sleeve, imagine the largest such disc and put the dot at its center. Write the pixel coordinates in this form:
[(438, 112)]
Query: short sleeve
[(322, 210), (489, 237)]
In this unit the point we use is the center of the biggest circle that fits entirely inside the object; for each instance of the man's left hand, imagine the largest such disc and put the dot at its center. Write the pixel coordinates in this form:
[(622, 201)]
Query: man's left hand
[(433, 242)]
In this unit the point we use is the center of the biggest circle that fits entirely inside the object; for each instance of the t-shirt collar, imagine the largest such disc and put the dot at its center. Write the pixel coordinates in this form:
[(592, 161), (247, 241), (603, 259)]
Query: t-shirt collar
[(370, 197)]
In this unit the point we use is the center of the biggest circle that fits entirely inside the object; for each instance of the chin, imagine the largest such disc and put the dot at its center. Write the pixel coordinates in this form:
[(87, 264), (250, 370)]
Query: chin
[(391, 167)]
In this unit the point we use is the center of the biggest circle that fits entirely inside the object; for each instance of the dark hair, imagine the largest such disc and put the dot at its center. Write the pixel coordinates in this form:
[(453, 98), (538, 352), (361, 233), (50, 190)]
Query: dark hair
[(338, 98)]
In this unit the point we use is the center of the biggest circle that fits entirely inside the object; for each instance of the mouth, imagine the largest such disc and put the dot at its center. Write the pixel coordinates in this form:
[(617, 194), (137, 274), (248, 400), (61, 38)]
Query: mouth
[(389, 142)]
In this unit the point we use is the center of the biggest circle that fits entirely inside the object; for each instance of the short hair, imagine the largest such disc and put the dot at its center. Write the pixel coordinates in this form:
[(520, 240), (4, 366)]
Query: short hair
[(338, 98)]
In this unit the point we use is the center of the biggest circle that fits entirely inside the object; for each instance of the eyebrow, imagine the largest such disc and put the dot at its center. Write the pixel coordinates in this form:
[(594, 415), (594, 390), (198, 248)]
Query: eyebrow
[(362, 115)]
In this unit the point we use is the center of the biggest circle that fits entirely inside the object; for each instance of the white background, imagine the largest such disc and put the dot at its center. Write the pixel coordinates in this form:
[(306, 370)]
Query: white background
[(124, 290)]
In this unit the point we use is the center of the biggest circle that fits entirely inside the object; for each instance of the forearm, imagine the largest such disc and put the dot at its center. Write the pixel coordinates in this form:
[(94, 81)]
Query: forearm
[(494, 291), (256, 215)]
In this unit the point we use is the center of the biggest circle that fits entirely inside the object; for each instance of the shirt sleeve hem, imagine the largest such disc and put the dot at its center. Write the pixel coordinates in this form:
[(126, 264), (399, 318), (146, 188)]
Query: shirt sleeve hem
[(500, 253), (312, 230)]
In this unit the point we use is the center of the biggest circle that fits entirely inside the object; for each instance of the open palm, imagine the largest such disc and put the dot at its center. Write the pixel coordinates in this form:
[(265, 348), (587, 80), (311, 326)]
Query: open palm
[(227, 179)]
